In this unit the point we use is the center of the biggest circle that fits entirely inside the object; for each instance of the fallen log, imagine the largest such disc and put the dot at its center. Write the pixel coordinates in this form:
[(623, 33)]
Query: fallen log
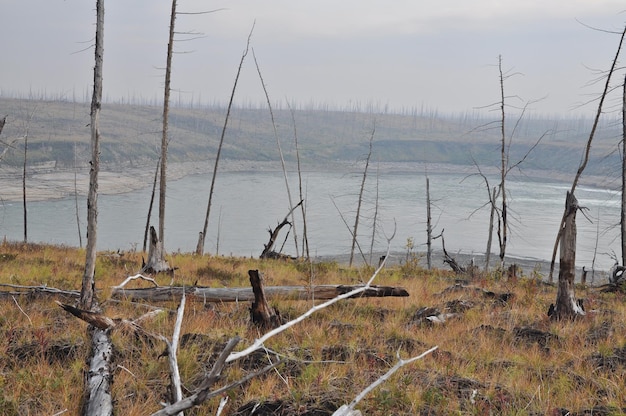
[(245, 294)]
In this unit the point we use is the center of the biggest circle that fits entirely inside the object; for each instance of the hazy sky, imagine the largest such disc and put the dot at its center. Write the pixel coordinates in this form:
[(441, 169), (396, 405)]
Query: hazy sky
[(402, 53)]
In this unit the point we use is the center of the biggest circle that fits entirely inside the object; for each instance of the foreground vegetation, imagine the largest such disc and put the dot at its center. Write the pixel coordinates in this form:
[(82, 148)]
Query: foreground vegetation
[(498, 351)]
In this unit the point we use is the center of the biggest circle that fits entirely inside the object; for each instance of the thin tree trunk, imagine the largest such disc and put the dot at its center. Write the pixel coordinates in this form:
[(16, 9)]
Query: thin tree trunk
[(583, 164), (358, 207), (200, 246), (80, 236), (429, 228), (164, 138), (492, 213), (98, 400), (374, 221), (24, 188), (503, 169), (280, 152), (87, 290), (305, 239), (623, 210), (154, 183)]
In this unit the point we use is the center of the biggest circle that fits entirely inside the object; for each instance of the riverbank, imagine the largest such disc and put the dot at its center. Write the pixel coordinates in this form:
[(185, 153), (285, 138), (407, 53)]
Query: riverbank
[(48, 182)]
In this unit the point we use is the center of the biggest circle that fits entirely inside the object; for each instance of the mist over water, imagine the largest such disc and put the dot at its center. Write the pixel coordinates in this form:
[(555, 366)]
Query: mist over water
[(247, 204)]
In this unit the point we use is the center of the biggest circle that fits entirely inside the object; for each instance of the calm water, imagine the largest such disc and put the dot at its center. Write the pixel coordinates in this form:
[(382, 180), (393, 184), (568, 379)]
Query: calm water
[(246, 205)]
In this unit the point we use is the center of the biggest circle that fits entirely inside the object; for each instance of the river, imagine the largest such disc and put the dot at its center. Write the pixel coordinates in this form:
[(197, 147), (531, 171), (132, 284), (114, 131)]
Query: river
[(247, 204)]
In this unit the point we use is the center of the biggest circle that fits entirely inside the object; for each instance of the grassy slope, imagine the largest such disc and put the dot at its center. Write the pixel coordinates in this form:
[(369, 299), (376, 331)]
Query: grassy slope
[(488, 359), (131, 136)]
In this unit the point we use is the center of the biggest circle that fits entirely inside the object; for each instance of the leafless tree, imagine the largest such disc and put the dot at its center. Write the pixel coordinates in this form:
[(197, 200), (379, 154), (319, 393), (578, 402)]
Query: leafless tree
[(164, 137), (202, 238), (280, 152), (87, 291), (360, 201), (623, 207), (585, 158)]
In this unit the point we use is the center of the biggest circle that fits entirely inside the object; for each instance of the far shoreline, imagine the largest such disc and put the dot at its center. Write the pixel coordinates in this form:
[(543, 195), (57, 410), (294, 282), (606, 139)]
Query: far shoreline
[(46, 182)]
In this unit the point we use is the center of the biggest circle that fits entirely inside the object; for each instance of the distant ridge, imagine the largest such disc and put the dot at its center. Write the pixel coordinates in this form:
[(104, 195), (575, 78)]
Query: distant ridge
[(58, 134)]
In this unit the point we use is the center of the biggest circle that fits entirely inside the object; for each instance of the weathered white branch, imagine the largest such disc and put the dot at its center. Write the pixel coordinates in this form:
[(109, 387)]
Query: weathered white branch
[(172, 350), (348, 410), (260, 341), (135, 277)]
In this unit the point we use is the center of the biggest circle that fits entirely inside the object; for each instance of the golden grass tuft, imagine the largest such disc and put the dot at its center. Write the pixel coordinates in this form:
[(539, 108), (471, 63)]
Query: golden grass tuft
[(496, 355)]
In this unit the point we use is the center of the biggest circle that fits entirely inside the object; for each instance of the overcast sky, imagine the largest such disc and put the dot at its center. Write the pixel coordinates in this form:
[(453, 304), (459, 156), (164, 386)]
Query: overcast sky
[(441, 54)]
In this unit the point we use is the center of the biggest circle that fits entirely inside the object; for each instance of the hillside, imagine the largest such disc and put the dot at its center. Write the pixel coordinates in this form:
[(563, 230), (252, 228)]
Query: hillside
[(498, 352), (58, 135)]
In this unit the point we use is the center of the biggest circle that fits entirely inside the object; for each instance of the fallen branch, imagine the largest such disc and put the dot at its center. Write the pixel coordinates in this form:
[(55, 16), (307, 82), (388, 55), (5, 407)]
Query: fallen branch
[(260, 341), (172, 351), (135, 277), (348, 410), (203, 392), (33, 290)]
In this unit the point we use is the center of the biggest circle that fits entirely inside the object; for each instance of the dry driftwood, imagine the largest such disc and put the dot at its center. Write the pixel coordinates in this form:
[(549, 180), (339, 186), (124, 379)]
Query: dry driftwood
[(98, 395), (245, 294)]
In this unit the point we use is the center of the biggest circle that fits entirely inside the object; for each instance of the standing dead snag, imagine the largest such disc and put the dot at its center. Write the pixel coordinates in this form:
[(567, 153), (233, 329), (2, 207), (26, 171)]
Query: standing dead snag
[(156, 256), (268, 252), (261, 313), (566, 304)]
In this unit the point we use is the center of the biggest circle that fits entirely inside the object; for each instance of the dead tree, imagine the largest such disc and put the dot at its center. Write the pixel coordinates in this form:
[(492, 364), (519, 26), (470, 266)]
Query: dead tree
[(202, 234), (305, 238), (268, 251), (154, 183), (358, 207), (280, 152), (429, 227), (97, 399), (585, 159), (261, 313), (623, 207), (566, 304), (164, 137), (86, 295), (156, 256)]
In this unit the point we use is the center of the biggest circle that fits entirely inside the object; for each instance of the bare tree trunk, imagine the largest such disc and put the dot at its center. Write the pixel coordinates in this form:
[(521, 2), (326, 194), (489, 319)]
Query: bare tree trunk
[(164, 138), (375, 219), (87, 290), (429, 228), (98, 400), (623, 210), (492, 199), (503, 170), (147, 229), (360, 202), (305, 239), (566, 304), (583, 164), (24, 188), (200, 246), (280, 152), (80, 236)]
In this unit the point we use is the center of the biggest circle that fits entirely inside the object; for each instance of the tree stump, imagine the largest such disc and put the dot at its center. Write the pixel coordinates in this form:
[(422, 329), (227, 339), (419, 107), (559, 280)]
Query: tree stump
[(566, 304), (262, 314), (156, 256)]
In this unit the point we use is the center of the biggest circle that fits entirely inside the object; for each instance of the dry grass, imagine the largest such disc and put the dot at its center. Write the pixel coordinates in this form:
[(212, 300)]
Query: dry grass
[(494, 356)]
